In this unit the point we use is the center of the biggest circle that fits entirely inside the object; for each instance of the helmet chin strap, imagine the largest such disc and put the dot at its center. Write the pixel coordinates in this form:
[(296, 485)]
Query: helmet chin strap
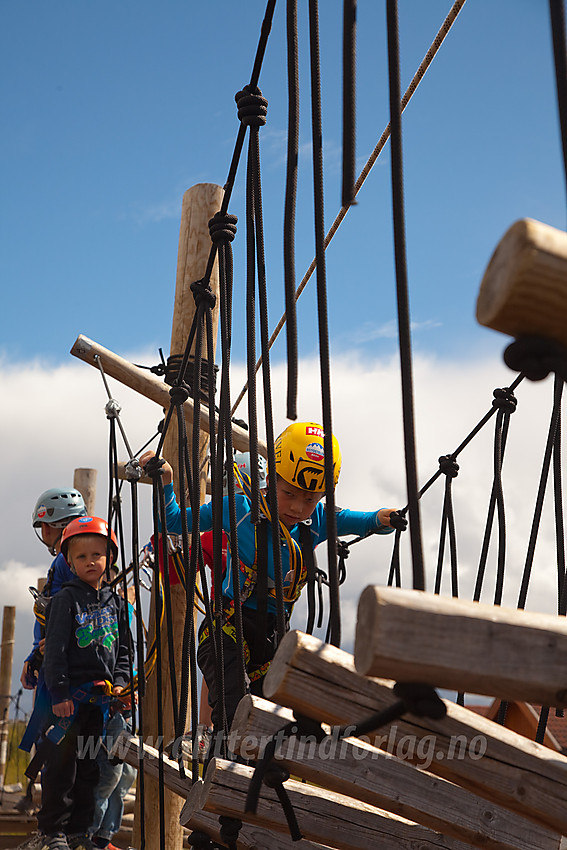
[(51, 546)]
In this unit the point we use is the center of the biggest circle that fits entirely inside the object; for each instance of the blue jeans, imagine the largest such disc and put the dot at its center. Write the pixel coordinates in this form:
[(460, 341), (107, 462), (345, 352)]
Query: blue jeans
[(113, 785)]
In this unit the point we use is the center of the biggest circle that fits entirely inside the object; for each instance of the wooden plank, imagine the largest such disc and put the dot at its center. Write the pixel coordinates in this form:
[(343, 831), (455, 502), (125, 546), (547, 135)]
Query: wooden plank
[(127, 747), (321, 682), (322, 815), (150, 386), (354, 768), (413, 636)]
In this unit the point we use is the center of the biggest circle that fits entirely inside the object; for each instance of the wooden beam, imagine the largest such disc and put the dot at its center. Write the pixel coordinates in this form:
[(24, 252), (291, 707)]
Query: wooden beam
[(323, 816), (523, 291), (354, 768), (150, 386), (413, 636), (127, 747), (321, 682)]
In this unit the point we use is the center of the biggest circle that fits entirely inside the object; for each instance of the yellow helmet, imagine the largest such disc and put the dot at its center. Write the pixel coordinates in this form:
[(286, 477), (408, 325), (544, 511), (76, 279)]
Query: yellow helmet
[(300, 456)]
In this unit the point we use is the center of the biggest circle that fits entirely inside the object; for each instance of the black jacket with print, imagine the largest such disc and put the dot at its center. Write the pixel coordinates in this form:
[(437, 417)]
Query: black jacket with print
[(86, 638)]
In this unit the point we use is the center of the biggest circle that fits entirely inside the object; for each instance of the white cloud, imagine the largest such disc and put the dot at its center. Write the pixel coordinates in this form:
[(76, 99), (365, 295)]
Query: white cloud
[(53, 421)]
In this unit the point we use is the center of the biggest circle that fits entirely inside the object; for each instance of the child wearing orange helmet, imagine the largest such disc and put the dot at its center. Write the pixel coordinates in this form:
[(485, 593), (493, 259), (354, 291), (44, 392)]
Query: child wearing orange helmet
[(86, 662), (300, 486)]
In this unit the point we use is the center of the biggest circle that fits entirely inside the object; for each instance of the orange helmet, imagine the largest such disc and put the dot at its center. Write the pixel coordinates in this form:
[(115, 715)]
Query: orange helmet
[(88, 525), (300, 456)]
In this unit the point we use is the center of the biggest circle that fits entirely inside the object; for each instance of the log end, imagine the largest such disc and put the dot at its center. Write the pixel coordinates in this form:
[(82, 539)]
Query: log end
[(524, 288), (365, 625)]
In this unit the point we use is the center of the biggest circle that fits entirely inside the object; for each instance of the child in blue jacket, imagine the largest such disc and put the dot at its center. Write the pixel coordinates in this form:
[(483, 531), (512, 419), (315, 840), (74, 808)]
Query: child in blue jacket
[(299, 454)]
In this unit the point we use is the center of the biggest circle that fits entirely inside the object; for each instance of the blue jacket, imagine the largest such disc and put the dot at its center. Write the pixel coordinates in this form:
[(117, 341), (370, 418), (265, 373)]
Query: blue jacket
[(59, 573), (348, 522)]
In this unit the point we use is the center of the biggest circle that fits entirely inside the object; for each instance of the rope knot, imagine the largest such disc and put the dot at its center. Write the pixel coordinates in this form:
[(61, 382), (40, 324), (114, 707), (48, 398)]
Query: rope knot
[(222, 227), (179, 393), (203, 294), (448, 466), (275, 775), (133, 470), (536, 357), (421, 700), (252, 107), (153, 466), (229, 829), (200, 840), (398, 520), (112, 409), (504, 399)]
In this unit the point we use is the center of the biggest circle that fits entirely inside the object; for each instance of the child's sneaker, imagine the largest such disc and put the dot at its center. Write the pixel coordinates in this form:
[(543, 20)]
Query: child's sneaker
[(58, 841), (80, 841)]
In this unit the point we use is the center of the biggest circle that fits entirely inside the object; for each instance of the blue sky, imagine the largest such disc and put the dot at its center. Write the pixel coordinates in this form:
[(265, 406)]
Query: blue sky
[(111, 110)]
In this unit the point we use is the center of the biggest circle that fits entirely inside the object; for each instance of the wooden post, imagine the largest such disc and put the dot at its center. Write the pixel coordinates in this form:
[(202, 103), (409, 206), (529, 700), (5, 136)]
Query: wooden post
[(6, 658), (524, 289), (84, 481), (200, 203)]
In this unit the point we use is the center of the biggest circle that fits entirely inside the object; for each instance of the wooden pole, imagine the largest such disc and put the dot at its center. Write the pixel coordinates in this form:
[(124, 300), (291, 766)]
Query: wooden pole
[(84, 481), (200, 203), (6, 658), (149, 386)]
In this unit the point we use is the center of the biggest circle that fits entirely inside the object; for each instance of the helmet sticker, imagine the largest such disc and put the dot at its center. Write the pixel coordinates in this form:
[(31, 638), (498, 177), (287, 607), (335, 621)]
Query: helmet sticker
[(314, 451), (309, 477), (312, 430), (83, 519), (41, 511)]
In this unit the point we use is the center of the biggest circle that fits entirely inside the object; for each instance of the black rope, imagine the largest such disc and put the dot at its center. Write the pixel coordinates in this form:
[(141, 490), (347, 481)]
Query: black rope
[(402, 295), (555, 417), (450, 468), (557, 18), (289, 209), (323, 322), (349, 103)]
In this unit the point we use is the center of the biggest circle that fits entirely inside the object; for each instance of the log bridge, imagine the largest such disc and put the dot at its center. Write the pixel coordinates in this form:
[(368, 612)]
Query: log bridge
[(416, 783)]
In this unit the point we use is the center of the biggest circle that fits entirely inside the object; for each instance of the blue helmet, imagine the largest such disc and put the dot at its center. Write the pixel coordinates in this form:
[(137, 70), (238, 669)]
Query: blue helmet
[(57, 507)]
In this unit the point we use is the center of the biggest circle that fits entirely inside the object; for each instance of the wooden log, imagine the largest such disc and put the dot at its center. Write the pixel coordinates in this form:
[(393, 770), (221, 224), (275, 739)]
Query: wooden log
[(127, 747), (413, 636), (524, 288), (84, 480), (354, 768), (150, 386), (250, 836), (323, 816), (321, 682)]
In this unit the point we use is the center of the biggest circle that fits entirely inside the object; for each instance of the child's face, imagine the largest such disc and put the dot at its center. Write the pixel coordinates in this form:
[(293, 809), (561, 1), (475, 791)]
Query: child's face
[(87, 556), (294, 504)]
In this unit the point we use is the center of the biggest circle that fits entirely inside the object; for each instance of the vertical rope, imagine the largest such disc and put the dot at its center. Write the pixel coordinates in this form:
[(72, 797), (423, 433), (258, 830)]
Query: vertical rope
[(402, 295), (324, 350), (557, 17), (289, 209), (349, 102)]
